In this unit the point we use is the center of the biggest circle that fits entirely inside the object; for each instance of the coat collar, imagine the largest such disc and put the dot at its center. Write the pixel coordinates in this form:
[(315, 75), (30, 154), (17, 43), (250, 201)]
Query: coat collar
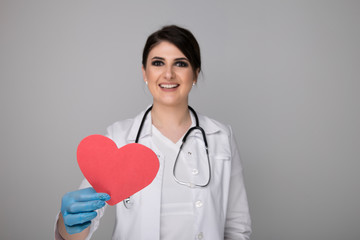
[(209, 126)]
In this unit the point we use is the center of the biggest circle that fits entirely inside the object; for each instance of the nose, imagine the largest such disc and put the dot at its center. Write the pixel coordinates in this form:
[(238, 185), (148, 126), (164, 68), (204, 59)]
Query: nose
[(169, 73)]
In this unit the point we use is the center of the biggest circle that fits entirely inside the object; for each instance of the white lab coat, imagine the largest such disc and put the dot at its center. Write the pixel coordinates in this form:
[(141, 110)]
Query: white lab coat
[(220, 209)]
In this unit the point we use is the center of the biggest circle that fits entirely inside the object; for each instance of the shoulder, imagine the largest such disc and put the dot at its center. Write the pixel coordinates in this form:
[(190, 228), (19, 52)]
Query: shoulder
[(213, 126), (219, 136), (120, 126), (124, 130)]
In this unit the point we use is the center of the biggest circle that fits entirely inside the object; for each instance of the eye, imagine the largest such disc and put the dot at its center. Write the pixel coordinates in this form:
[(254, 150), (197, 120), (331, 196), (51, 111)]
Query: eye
[(157, 63), (181, 64)]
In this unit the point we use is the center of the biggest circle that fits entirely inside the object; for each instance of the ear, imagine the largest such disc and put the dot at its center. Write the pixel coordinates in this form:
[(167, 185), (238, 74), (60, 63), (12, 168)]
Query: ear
[(196, 75), (143, 73)]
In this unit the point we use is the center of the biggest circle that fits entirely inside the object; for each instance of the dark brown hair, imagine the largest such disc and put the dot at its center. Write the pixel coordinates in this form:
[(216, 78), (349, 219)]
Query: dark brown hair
[(182, 38)]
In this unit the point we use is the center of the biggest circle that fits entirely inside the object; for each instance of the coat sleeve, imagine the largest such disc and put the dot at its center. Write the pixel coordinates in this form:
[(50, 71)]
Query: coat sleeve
[(238, 222)]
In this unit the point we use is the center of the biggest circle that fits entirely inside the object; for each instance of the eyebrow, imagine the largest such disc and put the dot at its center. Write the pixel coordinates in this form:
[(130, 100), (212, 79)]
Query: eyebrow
[(176, 59), (182, 58)]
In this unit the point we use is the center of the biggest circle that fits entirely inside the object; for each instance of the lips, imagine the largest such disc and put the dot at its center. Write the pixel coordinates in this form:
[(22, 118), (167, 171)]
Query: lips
[(168, 86)]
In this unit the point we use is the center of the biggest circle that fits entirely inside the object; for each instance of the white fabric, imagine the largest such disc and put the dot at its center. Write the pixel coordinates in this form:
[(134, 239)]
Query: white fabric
[(177, 213), (221, 209)]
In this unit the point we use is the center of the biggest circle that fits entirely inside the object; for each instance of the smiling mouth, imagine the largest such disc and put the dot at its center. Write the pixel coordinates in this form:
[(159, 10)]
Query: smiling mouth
[(169, 86)]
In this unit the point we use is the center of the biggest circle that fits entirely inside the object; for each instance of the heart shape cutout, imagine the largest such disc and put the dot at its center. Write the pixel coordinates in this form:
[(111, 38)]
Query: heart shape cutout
[(119, 172)]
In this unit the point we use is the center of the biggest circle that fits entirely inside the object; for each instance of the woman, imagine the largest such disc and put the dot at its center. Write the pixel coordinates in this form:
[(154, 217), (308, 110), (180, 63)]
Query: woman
[(214, 204)]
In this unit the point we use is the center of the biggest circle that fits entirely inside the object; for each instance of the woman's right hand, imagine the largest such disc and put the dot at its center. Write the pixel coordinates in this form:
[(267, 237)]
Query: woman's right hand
[(78, 208)]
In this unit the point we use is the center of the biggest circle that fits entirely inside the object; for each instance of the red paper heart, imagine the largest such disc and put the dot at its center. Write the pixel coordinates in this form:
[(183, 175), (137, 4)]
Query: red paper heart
[(117, 172)]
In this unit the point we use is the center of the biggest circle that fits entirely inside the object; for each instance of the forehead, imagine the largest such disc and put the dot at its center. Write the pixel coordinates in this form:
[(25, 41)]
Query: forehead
[(166, 50)]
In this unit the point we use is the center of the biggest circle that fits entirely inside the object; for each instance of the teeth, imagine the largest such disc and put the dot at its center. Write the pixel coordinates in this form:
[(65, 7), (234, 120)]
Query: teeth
[(168, 85)]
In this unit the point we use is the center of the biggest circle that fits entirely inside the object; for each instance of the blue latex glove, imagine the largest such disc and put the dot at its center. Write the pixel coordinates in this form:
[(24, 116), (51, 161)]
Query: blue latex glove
[(78, 208)]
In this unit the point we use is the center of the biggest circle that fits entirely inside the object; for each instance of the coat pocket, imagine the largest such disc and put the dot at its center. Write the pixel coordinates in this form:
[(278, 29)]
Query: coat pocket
[(220, 168)]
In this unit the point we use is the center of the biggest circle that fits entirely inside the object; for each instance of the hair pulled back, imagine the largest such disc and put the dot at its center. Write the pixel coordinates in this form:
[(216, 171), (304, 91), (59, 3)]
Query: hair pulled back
[(182, 38)]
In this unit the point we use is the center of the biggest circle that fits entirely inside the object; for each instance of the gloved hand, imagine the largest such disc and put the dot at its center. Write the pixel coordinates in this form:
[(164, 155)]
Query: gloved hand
[(78, 208)]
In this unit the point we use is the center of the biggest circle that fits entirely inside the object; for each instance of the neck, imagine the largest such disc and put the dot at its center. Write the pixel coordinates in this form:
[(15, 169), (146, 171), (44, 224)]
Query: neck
[(170, 116)]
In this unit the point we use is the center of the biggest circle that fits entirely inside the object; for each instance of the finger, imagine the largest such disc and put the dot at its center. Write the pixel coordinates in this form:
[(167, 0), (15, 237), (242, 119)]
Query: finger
[(89, 194), (77, 228), (79, 207), (78, 218)]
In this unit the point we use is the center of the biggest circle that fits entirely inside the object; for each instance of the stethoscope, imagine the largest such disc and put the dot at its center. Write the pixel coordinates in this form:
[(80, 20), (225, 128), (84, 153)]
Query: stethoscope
[(128, 203)]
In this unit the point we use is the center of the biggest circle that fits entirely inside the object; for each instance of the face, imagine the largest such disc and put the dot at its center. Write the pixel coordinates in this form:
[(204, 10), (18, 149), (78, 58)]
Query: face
[(169, 75)]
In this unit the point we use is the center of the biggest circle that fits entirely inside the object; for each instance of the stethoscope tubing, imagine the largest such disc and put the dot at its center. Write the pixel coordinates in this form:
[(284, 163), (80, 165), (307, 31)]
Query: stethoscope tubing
[(127, 202)]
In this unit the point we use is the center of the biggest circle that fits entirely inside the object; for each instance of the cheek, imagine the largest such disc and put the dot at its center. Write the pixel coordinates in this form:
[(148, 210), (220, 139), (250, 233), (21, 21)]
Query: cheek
[(152, 75), (190, 77)]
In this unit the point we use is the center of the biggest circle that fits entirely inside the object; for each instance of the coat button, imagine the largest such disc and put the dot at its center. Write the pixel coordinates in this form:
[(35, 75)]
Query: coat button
[(195, 171), (200, 236), (128, 202), (198, 204)]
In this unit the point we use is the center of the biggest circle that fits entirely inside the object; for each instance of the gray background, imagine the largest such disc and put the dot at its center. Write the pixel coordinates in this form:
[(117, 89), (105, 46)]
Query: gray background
[(284, 74)]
